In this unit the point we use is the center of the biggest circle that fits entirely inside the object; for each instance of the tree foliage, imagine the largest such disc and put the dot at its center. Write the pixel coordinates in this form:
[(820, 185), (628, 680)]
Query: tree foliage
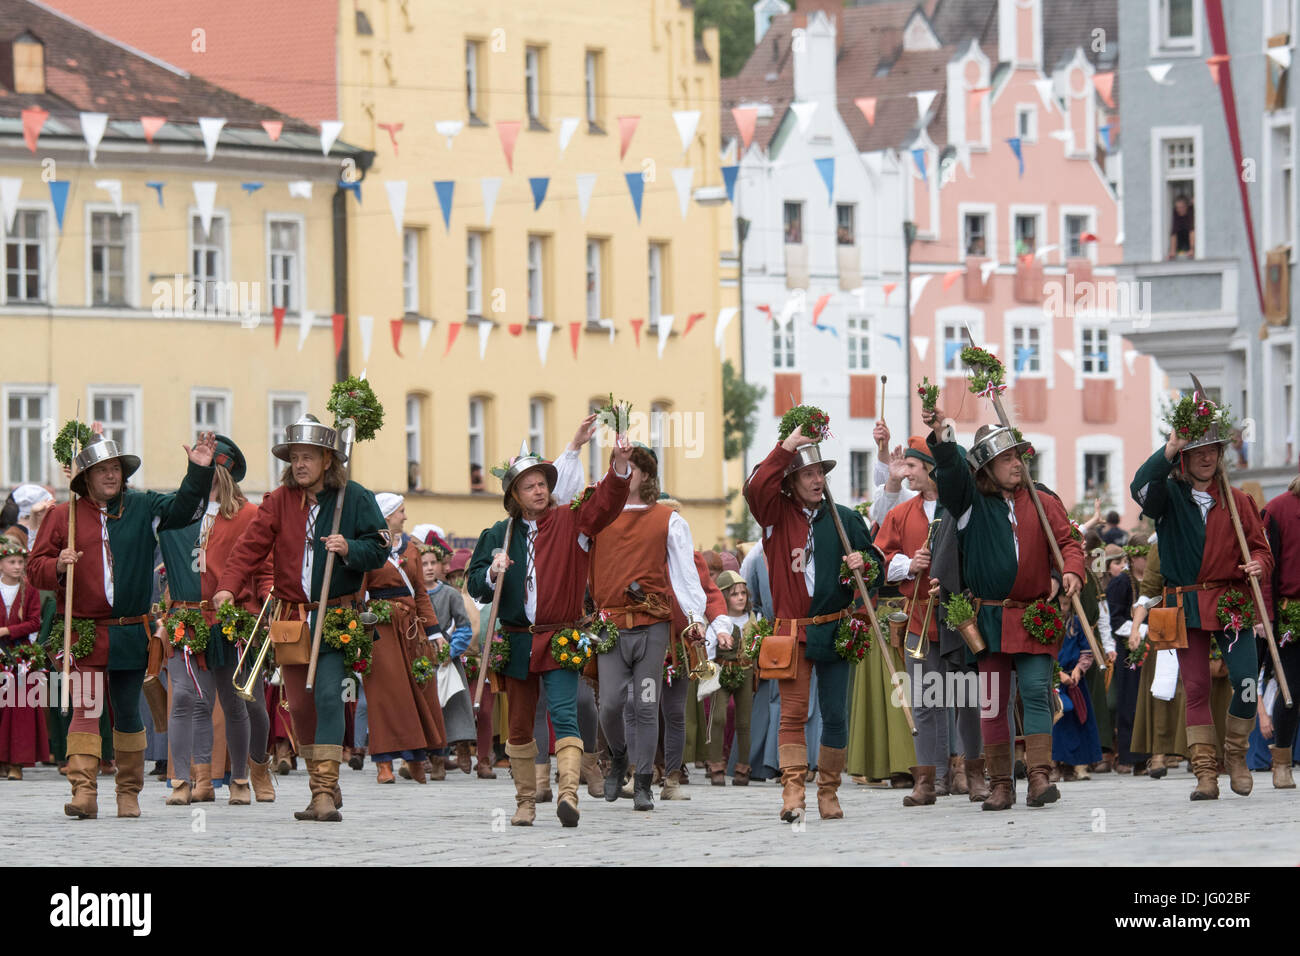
[(739, 411), (735, 22)]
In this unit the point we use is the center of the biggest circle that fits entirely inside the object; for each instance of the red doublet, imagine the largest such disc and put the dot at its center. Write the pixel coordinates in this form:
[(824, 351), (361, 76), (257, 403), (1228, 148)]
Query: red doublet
[(789, 524), (905, 531), (1221, 558), (1034, 570), (279, 528)]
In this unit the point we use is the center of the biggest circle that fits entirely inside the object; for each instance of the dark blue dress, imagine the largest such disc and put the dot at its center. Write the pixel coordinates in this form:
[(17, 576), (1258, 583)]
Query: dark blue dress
[(1074, 740)]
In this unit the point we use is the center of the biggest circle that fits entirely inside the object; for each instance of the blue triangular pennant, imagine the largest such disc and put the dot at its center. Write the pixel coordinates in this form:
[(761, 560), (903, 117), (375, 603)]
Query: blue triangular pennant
[(896, 339), (445, 188), (158, 188), (538, 185), (1105, 135), (950, 350), (729, 180), (826, 166), (823, 327), (250, 188), (1014, 143), (59, 196), (354, 188), (1023, 354), (918, 157), (636, 186)]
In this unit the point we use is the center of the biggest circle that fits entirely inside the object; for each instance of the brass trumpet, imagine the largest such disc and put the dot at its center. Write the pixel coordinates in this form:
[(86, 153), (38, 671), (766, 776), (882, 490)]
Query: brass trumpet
[(921, 650), (245, 688)]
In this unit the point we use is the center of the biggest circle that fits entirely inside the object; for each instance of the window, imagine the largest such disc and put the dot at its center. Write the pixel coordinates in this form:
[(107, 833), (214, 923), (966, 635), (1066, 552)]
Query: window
[(107, 258), (1027, 123), (1028, 356), (1096, 474), (25, 418), (860, 474), (285, 410), (414, 414), (591, 74), (474, 274), (1279, 202), (1178, 27), (210, 412), (1026, 234), (533, 83), (208, 263), (116, 412), (595, 262), (25, 265), (537, 426), (659, 422), (411, 241), (782, 344), (472, 48), (285, 251), (1180, 173), (1096, 352), (536, 272), (1075, 226), (845, 233), (859, 334), (477, 430), (793, 223), (953, 342), (655, 275), (975, 233)]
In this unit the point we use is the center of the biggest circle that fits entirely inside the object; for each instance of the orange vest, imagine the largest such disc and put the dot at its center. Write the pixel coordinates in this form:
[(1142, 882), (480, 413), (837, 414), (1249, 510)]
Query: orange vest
[(633, 548)]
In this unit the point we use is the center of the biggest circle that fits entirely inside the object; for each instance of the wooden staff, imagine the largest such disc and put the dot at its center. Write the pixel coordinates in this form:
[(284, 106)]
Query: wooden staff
[(64, 704), (1097, 655), (486, 642), (348, 429), (1260, 609)]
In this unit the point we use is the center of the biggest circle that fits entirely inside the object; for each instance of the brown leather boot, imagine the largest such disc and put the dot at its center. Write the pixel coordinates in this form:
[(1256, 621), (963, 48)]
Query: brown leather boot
[(1204, 761), (240, 795), (922, 794), (672, 789), (976, 781), (1156, 766), (130, 771), (485, 771), (830, 767), (941, 784), (181, 795), (1001, 796), (957, 782), (324, 787), (416, 767), (1282, 779), (741, 777), (568, 763), (83, 774), (592, 776), (543, 772), (437, 769), (717, 773), (1235, 743), (524, 771), (1038, 761), (259, 777), (793, 759), (282, 754), (203, 790), (384, 772), (463, 759)]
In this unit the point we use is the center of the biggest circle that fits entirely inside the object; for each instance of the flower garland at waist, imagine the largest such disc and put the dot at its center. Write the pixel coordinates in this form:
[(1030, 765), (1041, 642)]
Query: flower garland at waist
[(571, 649), (853, 638), (1043, 622), (422, 669), (236, 623), (1236, 613), (343, 631), (82, 627)]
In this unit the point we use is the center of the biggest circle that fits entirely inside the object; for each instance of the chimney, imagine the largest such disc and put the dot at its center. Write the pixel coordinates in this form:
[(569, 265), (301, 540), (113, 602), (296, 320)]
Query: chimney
[(1020, 33), (22, 63), (806, 8)]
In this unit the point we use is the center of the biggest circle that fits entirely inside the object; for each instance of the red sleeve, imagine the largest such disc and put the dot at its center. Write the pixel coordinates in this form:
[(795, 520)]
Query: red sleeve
[(1253, 527), (763, 490), (1071, 549), (30, 609), (605, 503), (715, 605), (889, 539), (42, 562), (252, 551)]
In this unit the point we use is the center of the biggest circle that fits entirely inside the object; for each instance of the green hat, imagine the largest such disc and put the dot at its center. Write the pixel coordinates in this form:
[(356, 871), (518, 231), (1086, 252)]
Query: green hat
[(229, 457)]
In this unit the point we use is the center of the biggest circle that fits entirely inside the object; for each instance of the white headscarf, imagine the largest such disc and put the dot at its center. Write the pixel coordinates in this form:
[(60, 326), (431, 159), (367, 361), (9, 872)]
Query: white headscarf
[(388, 502), (27, 497)]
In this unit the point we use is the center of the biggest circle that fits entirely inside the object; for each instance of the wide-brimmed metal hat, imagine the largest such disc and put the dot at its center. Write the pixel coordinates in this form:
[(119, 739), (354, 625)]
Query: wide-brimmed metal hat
[(308, 430), (991, 441), (807, 456), (526, 461), (96, 453)]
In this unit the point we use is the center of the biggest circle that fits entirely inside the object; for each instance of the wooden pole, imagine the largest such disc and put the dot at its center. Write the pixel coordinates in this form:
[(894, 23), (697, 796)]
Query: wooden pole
[(348, 426), (486, 642), (64, 703)]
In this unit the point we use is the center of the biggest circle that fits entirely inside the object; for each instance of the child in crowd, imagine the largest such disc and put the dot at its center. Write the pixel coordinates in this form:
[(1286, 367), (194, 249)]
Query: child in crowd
[(737, 685), (24, 740)]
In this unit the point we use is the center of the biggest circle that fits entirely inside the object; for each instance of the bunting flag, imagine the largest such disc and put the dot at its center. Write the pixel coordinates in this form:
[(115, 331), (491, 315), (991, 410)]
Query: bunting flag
[(923, 100), (918, 157), (300, 189), (508, 131), (1042, 251), (819, 305), (92, 131), (10, 187), (114, 189), (484, 330), (975, 97), (151, 125), (490, 186), (453, 330), (586, 183), (635, 186), (803, 114), (963, 154), (544, 330), (766, 310), (682, 177), (793, 304), (986, 270), (1064, 135), (868, 106), (1131, 355), (729, 180), (33, 119), (205, 197), (338, 321), (826, 166), (1014, 143), (1044, 88), (746, 118), (444, 188), (397, 201), (393, 129), (568, 126), (210, 127), (1105, 83), (426, 329), (922, 343), (277, 317), (395, 330), (626, 129), (896, 339), (305, 320), (1023, 355), (687, 122), (1158, 72), (449, 129), (366, 326), (665, 328), (251, 188), (916, 288), (828, 328), (950, 277), (329, 133), (1090, 237), (636, 329), (273, 128), (515, 328), (157, 187), (608, 326), (1105, 135), (888, 288), (538, 185), (1066, 356), (354, 188), (1213, 63), (950, 351), (724, 319), (1281, 55), (690, 322), (575, 333)]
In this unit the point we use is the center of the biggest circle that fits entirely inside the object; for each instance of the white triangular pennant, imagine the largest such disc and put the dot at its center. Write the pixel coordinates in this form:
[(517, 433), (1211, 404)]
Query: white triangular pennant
[(304, 326), (1041, 251), (1064, 135), (484, 330), (986, 270), (922, 343), (1044, 88), (1281, 55), (490, 185), (1119, 238), (568, 126), (92, 130), (682, 177), (586, 183), (923, 100), (114, 189), (687, 122), (210, 126), (205, 194), (918, 284), (449, 129), (329, 132), (1159, 71), (724, 319), (300, 189), (803, 114), (608, 325), (426, 328), (963, 156), (1067, 356), (1130, 360), (366, 325), (793, 305), (397, 201), (665, 329), (10, 187), (544, 330)]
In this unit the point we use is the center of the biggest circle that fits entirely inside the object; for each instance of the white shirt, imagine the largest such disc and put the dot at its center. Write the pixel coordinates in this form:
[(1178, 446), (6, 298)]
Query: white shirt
[(809, 570), (309, 549), (569, 477), (9, 592), (1103, 626), (108, 555), (1204, 500), (900, 567)]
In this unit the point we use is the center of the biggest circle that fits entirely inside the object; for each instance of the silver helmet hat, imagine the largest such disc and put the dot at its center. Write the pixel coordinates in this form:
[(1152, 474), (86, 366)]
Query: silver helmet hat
[(991, 441), (97, 452), (308, 430), (809, 455), (526, 461)]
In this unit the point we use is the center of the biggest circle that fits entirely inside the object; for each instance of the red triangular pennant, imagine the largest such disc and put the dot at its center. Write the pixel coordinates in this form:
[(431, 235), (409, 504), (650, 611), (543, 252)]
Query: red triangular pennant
[(273, 128), (508, 130), (766, 310), (395, 326), (277, 314), (452, 331), (691, 320), (339, 325), (746, 117), (393, 130), (949, 278), (1088, 237), (626, 127), (636, 329), (151, 124), (575, 332), (868, 106), (33, 120), (515, 328), (1105, 83), (820, 304), (889, 287)]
